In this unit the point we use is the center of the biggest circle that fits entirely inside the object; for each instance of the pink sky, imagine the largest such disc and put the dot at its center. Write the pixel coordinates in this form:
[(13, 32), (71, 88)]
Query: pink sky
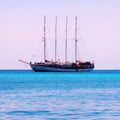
[(21, 30)]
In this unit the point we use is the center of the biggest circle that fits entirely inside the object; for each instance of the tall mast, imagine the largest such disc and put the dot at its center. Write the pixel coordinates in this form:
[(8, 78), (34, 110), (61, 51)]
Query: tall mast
[(44, 38), (76, 39), (55, 38), (66, 40)]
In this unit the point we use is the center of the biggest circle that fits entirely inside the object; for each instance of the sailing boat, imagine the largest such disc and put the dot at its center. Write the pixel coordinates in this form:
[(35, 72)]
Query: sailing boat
[(55, 66)]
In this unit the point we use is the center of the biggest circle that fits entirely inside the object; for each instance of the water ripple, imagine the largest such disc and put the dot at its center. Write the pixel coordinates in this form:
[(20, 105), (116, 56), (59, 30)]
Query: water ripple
[(23, 112)]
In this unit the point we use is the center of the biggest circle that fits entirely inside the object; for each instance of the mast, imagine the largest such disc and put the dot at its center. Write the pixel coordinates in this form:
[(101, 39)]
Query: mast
[(66, 40), (44, 38), (76, 39), (55, 38)]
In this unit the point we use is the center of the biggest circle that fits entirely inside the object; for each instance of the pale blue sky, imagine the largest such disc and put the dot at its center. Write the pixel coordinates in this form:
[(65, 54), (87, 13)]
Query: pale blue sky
[(21, 29)]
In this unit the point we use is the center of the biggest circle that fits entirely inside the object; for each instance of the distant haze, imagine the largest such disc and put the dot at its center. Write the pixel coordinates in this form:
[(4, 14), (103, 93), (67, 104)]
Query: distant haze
[(21, 31)]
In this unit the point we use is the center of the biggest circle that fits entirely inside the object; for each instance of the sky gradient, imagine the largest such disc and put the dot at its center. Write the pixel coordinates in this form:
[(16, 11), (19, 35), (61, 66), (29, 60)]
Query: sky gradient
[(21, 31)]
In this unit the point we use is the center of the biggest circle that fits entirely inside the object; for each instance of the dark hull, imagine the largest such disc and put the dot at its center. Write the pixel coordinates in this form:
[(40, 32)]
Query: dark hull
[(42, 68)]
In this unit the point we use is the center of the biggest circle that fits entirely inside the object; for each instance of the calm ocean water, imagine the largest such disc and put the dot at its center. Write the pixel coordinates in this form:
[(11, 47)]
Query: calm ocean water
[(26, 95)]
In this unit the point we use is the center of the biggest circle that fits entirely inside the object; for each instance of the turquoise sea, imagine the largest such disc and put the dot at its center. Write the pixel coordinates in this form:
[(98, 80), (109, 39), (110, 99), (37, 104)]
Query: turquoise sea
[(26, 95)]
